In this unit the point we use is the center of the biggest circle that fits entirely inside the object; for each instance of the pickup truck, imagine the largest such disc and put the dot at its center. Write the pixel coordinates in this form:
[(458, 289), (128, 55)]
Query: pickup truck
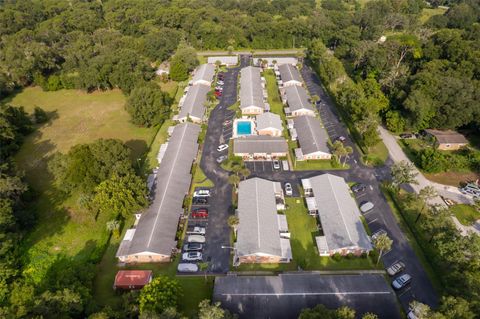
[(196, 231)]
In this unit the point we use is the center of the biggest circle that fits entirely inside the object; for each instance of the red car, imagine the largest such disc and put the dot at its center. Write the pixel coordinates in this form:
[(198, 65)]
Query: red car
[(218, 94), (200, 213)]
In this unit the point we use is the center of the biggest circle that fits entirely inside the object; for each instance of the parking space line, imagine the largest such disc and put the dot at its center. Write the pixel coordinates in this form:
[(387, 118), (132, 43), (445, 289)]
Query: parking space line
[(405, 291), (373, 220)]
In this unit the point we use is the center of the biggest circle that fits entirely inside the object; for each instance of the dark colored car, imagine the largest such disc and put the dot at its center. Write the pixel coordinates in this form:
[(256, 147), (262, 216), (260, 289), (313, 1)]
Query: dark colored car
[(200, 213), (193, 247), (406, 135), (359, 187), (200, 200)]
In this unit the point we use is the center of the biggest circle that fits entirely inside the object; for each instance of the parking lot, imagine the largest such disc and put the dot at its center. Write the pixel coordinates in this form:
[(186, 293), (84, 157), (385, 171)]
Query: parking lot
[(263, 166)]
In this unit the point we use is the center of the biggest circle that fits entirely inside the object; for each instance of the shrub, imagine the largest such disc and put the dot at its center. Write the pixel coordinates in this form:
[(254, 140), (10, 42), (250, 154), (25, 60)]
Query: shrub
[(337, 257), (350, 256), (39, 115)]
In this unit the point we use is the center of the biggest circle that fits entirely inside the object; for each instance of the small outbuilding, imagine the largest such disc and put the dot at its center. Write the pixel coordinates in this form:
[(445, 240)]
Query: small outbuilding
[(447, 140), (132, 279)]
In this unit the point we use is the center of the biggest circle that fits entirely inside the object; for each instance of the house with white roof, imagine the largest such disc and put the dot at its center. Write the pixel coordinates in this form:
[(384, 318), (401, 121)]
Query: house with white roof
[(269, 124), (273, 62), (228, 60), (342, 230), (262, 235)]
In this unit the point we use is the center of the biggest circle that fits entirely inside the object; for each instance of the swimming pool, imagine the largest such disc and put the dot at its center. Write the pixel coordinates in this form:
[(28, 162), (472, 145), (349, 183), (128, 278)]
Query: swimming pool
[(244, 127)]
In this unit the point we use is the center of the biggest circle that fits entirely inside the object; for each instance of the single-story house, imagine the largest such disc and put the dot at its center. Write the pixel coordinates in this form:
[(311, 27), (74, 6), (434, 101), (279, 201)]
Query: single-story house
[(132, 279), (269, 124), (338, 213), (298, 102), (312, 137), (289, 75), (193, 106), (273, 62), (260, 147), (154, 238), (251, 91), (262, 235), (447, 140), (227, 60), (204, 74)]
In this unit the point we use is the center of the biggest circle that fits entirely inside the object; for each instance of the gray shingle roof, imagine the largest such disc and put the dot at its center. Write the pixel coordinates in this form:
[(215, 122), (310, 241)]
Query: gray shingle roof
[(157, 227), (447, 136), (297, 98), (338, 213), (258, 230), (251, 92), (260, 144), (269, 120), (288, 72), (311, 135), (227, 59), (194, 103), (204, 72)]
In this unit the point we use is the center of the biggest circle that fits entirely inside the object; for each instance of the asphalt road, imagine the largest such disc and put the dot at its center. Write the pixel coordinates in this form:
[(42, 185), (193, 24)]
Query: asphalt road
[(220, 204), (284, 296)]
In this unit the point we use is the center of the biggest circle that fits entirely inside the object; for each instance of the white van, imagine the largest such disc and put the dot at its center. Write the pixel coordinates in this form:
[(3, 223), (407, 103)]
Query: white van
[(196, 239)]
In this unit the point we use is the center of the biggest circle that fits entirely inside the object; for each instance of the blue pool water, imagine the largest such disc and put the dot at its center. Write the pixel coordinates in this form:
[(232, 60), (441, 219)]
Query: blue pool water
[(244, 128)]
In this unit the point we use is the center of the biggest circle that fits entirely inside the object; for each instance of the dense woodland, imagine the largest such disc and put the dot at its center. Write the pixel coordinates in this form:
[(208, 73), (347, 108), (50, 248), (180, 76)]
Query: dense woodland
[(422, 74)]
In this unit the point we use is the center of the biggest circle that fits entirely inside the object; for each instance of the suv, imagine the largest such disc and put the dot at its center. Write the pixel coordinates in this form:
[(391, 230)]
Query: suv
[(200, 213), (288, 189), (222, 147), (192, 256), (201, 193), (401, 281), (395, 268), (193, 247), (359, 187)]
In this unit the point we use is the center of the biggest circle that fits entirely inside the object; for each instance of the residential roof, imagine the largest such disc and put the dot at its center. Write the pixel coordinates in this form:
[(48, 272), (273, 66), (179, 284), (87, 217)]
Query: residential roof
[(278, 60), (229, 59), (311, 135), (251, 92), (338, 213), (126, 278), (447, 136), (204, 72), (194, 104), (260, 144), (269, 120), (258, 230), (297, 98), (155, 232), (288, 72)]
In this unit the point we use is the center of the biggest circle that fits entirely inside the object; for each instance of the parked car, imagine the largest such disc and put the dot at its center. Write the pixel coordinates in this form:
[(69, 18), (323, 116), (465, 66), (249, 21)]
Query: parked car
[(227, 123), (218, 89), (197, 230), (366, 206), (218, 94), (395, 268), (276, 164), (411, 315), (220, 82), (285, 165), (193, 247), (407, 135), (220, 76), (359, 187), (196, 239), (192, 256), (341, 139), (221, 158), (401, 281), (200, 200), (288, 189), (200, 213), (186, 267), (222, 147), (201, 193)]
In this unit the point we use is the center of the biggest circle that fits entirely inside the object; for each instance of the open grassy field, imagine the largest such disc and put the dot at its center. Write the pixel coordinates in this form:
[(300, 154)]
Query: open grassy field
[(75, 117), (466, 214)]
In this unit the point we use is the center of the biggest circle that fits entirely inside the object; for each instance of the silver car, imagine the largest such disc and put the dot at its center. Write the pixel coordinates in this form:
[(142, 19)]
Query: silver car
[(395, 268)]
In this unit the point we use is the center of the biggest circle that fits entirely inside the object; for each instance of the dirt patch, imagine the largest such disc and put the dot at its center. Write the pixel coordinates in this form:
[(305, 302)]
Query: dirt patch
[(451, 178)]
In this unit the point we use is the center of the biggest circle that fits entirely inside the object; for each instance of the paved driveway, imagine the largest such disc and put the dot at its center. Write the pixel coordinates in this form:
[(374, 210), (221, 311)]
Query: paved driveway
[(284, 296)]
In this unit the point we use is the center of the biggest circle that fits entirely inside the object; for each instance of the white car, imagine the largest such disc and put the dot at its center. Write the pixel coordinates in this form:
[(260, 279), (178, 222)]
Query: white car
[(192, 256), (395, 268), (222, 147), (196, 239), (201, 193), (276, 164), (197, 231), (185, 267), (220, 82), (288, 189), (366, 207)]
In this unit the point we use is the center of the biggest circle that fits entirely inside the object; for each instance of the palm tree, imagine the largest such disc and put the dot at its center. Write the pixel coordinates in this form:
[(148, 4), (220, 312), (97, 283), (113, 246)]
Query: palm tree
[(233, 222), (113, 226), (420, 310), (244, 172), (315, 98), (425, 194), (382, 243), (204, 267), (347, 151), (403, 172), (338, 150), (234, 180)]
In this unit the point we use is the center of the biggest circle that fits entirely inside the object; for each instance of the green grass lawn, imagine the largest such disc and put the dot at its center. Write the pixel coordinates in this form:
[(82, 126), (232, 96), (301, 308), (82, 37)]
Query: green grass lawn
[(303, 228), (317, 165), (199, 178), (466, 214), (276, 105), (76, 117), (377, 155), (427, 13)]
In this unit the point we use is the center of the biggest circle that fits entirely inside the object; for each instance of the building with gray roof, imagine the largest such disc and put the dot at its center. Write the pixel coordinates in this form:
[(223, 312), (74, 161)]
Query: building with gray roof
[(259, 237), (154, 236), (289, 75), (269, 124), (312, 137), (257, 147), (298, 102), (204, 74), (251, 91), (227, 60), (273, 61), (343, 231), (193, 106)]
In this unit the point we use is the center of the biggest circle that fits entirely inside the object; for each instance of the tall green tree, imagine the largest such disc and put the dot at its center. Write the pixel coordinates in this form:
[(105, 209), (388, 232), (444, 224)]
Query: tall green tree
[(162, 293), (148, 105)]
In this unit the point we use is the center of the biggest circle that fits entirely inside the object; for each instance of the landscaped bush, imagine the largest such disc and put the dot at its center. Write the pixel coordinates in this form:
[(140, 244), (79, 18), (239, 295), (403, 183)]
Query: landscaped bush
[(374, 254), (337, 257)]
